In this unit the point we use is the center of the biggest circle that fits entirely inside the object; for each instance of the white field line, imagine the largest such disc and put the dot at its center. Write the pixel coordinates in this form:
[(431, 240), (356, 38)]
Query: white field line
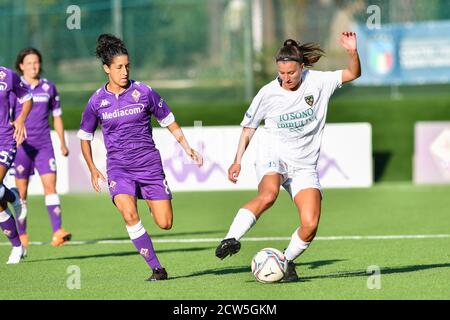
[(215, 240)]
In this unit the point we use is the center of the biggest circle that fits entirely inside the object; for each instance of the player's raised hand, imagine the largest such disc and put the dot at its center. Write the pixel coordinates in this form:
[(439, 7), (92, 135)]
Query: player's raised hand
[(233, 172), (348, 40), (95, 176)]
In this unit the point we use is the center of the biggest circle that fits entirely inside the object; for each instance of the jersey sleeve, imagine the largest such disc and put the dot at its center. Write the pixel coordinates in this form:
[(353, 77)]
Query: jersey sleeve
[(14, 105), (55, 104), (255, 113), (159, 108), (331, 80), (89, 122), (17, 87)]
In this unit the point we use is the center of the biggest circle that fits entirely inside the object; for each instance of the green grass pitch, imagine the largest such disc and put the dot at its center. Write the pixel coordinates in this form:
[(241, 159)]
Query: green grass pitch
[(410, 268)]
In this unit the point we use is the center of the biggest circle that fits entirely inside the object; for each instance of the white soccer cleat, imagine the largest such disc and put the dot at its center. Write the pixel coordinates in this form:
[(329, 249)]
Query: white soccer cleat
[(17, 204), (16, 255)]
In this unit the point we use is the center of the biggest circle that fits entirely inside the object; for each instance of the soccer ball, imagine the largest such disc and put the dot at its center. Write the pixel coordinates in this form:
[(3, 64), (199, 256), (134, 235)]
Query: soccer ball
[(269, 265)]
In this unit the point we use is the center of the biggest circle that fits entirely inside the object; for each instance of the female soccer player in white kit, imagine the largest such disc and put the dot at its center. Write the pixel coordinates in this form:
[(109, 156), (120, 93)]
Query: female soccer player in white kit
[(294, 108)]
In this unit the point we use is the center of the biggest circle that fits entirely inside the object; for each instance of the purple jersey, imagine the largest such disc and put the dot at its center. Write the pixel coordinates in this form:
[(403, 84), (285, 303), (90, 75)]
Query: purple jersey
[(9, 84), (45, 100), (125, 120)]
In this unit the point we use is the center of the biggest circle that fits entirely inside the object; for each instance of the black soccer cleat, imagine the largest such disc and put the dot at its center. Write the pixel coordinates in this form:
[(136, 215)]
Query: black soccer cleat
[(291, 274), (158, 274), (227, 247)]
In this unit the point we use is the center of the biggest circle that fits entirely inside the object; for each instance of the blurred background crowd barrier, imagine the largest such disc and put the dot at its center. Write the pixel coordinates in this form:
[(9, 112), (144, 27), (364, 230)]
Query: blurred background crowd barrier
[(208, 58)]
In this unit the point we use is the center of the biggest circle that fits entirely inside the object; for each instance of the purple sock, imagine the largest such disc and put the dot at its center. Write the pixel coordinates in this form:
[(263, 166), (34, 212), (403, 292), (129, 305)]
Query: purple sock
[(8, 225), (22, 226), (54, 213), (144, 245)]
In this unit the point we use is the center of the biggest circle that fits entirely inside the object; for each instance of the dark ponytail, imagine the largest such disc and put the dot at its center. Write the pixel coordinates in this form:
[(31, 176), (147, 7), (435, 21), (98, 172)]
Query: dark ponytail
[(307, 53), (109, 46)]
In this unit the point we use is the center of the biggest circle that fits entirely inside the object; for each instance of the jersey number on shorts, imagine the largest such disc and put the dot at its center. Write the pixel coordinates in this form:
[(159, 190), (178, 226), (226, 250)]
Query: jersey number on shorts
[(4, 156), (52, 164), (167, 187)]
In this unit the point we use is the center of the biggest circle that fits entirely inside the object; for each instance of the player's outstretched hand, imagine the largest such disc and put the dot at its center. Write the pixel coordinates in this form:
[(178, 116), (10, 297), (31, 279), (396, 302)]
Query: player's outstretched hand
[(348, 40), (20, 132), (95, 175), (197, 157), (233, 172)]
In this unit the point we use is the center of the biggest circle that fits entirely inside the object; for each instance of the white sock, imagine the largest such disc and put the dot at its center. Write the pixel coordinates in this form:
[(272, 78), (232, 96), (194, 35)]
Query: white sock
[(52, 200), (5, 215), (242, 222), (2, 191), (136, 231), (296, 247)]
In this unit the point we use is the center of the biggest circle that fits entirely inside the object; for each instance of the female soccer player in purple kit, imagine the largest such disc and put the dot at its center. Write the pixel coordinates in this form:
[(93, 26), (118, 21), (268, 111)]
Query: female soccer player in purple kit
[(37, 150), (12, 134), (123, 108)]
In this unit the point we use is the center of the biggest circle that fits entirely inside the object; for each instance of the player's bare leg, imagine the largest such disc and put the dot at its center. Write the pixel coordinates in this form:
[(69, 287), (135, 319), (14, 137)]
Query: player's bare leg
[(308, 203), (127, 205), (7, 221), (52, 201), (268, 190), (22, 186), (162, 213)]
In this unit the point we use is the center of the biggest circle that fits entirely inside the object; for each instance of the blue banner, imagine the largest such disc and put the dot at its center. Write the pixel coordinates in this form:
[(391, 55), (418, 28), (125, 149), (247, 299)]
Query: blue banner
[(413, 53)]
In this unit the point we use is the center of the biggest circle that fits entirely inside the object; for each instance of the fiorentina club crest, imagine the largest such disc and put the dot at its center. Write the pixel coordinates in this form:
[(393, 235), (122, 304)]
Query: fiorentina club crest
[(144, 252), (136, 95), (46, 87), (20, 169), (2, 75), (57, 211), (7, 233), (309, 100), (112, 185)]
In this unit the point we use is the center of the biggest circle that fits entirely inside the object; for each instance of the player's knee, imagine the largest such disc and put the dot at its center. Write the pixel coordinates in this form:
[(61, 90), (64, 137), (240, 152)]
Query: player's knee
[(49, 190), (130, 216), (268, 198), (165, 225), (310, 225)]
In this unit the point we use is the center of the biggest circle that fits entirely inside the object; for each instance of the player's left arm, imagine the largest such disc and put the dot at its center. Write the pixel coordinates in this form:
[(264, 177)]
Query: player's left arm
[(58, 124), (176, 131), (353, 70), (24, 97)]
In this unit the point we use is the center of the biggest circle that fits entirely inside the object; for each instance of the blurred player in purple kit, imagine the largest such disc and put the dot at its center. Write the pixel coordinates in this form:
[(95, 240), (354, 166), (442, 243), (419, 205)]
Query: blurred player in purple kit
[(123, 108), (12, 134), (36, 152)]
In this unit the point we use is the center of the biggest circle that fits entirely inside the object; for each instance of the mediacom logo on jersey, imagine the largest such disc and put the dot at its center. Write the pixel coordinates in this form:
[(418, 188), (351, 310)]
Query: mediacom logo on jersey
[(132, 110)]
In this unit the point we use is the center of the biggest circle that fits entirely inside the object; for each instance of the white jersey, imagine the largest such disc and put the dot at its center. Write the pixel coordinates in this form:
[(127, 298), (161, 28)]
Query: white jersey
[(294, 120)]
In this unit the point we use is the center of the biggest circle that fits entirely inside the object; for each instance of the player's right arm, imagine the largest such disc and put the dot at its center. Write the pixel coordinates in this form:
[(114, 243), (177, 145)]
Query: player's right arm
[(20, 133), (244, 141), (23, 97), (89, 122), (86, 149), (252, 118)]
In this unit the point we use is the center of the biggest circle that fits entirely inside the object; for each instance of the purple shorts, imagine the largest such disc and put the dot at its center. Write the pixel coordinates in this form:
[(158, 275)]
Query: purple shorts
[(31, 157), (140, 187), (7, 154)]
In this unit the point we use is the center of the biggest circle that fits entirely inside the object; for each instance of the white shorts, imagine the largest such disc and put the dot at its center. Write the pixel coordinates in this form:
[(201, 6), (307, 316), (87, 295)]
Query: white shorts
[(293, 179)]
